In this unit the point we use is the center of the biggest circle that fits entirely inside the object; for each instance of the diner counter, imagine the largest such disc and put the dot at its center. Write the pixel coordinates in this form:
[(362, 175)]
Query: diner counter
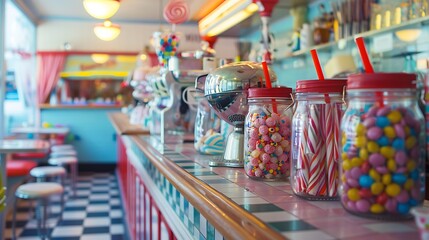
[(194, 201), (80, 106), (122, 124)]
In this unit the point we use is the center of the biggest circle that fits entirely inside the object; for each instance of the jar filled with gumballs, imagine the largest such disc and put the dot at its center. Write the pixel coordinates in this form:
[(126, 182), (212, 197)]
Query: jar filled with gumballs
[(383, 146), (267, 133)]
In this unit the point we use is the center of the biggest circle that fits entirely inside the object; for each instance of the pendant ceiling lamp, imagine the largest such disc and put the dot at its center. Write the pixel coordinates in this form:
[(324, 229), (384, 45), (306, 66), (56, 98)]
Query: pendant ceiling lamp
[(101, 9), (107, 31)]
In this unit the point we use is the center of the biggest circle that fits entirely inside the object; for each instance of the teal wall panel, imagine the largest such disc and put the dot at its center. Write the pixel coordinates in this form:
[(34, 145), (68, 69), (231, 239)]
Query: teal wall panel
[(95, 139)]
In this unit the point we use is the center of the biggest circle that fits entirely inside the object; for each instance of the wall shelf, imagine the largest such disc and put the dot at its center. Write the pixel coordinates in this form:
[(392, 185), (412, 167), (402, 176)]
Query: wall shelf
[(327, 47)]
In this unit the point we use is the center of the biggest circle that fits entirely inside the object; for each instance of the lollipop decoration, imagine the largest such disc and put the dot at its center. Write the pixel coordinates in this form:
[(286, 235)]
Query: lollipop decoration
[(176, 12)]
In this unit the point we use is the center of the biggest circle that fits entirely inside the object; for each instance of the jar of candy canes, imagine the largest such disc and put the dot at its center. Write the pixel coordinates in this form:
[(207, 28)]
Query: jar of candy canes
[(267, 133), (383, 146), (316, 138), (207, 131)]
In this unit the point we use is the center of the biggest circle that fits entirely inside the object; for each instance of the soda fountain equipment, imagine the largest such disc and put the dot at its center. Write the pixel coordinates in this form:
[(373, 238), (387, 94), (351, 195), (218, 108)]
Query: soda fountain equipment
[(226, 91), (176, 118)]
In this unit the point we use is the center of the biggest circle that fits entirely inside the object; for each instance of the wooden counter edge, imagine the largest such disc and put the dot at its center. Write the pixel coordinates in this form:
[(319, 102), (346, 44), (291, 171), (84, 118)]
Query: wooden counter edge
[(225, 215), (121, 123), (48, 106)]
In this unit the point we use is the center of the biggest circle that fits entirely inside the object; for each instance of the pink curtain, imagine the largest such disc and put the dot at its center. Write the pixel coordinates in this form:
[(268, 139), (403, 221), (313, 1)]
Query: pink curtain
[(49, 68)]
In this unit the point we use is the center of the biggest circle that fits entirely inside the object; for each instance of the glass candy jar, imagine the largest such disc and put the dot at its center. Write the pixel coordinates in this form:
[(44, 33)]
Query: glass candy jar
[(315, 138), (383, 146), (207, 131), (267, 133)]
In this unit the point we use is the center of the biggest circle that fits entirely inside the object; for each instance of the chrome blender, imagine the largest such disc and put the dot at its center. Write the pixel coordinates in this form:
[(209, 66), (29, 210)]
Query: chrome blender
[(226, 91)]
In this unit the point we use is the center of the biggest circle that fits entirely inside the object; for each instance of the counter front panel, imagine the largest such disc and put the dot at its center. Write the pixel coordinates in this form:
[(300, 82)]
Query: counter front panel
[(218, 203)]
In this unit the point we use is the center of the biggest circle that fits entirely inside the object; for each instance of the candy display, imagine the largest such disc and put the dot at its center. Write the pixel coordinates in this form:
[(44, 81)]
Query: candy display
[(207, 131), (267, 134), (316, 139), (167, 47), (382, 169), (176, 11)]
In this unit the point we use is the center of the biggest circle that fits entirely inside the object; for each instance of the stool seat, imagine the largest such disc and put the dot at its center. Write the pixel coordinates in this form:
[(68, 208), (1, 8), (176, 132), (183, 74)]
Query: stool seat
[(63, 153), (38, 190), (62, 160), (47, 171), (30, 155), (56, 148), (16, 168)]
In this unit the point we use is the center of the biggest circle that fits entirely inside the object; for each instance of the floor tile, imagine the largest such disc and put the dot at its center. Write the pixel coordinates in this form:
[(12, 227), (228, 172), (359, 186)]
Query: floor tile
[(67, 231), (96, 222)]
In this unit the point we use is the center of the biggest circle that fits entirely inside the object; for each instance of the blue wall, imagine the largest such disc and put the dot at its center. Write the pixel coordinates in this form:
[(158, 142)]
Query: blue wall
[(95, 139)]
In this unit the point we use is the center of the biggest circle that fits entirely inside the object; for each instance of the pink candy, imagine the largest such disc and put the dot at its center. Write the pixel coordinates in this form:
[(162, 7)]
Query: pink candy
[(269, 135)]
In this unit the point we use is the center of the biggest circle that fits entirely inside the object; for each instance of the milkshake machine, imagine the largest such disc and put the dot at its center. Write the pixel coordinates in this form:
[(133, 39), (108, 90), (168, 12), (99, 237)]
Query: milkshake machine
[(226, 91), (173, 120)]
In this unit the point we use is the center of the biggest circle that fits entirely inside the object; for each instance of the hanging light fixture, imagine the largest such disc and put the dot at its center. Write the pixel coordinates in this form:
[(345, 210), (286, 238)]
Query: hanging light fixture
[(107, 31), (101, 9)]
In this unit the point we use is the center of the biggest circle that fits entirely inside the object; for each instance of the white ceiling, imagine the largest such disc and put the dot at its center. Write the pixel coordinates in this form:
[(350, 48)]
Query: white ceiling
[(132, 11)]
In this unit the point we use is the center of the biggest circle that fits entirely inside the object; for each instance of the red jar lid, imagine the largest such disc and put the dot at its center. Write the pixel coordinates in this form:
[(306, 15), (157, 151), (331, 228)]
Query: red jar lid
[(282, 92), (321, 86), (381, 80)]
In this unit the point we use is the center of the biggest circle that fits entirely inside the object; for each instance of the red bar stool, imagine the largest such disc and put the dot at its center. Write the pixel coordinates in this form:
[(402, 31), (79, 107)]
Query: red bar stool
[(19, 168), (33, 155)]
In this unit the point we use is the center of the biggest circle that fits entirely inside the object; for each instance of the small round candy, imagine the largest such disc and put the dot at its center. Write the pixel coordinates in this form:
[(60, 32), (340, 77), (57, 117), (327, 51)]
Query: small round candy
[(391, 205), (382, 122), (389, 132), (403, 208), (374, 133), (394, 116), (374, 175), (393, 189), (356, 172), (263, 129), (353, 194), (377, 208), (398, 144), (365, 193), (270, 122), (399, 178), (386, 179), (383, 141), (399, 131), (372, 147), (276, 137), (365, 181), (382, 198), (363, 205), (376, 159), (403, 197), (377, 188), (387, 152), (400, 158)]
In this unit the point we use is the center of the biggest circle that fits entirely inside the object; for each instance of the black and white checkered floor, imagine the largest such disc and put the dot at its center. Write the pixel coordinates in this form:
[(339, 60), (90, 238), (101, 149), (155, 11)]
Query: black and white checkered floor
[(94, 214)]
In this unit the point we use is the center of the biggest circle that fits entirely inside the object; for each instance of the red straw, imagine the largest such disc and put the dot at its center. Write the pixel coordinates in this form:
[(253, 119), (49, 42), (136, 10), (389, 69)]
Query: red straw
[(319, 70), (268, 82), (266, 74), (367, 65), (316, 62), (364, 55)]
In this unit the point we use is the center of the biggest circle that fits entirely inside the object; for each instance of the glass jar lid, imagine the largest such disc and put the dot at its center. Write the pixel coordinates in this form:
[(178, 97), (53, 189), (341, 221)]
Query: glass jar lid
[(321, 86), (275, 92), (381, 80)]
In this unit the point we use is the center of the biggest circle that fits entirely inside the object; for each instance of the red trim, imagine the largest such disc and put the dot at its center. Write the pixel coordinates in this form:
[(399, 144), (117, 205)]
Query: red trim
[(87, 52)]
